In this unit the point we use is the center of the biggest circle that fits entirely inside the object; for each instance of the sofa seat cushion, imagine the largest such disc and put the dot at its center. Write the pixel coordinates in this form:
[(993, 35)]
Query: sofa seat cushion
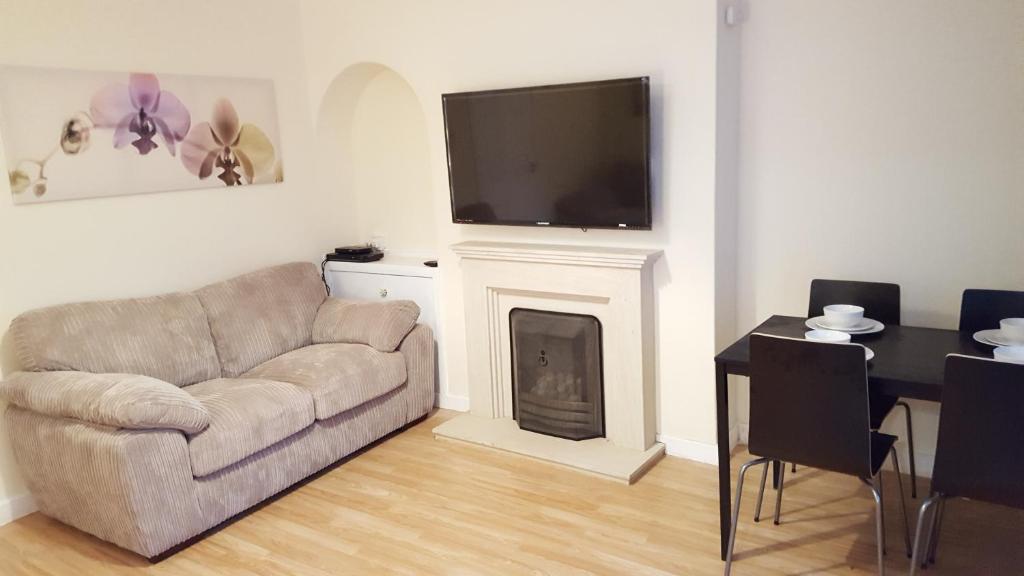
[(246, 416), (339, 376)]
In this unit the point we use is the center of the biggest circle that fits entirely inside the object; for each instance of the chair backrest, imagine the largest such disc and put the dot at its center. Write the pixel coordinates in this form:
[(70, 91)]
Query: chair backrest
[(809, 404), (980, 452), (983, 309), (880, 300)]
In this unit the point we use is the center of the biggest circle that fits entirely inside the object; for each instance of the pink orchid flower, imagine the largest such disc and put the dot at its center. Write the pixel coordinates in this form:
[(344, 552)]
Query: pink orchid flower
[(227, 145), (141, 110)]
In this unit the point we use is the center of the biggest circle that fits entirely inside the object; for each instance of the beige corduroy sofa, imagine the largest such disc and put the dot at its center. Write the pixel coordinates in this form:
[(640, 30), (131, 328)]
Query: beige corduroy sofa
[(149, 421)]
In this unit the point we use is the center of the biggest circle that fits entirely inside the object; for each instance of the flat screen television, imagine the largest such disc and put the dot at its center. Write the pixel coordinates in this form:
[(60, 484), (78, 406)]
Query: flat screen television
[(571, 155)]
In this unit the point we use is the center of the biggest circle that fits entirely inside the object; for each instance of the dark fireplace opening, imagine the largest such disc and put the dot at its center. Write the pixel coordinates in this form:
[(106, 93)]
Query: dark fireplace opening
[(557, 386)]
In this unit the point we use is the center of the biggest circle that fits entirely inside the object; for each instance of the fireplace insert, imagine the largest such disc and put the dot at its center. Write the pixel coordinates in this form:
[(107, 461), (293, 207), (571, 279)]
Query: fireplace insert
[(557, 386)]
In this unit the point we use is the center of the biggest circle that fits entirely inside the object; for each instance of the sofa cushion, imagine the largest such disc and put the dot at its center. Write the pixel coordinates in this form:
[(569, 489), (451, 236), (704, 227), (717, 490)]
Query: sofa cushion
[(164, 337), (382, 325), (246, 416), (257, 316), (339, 376)]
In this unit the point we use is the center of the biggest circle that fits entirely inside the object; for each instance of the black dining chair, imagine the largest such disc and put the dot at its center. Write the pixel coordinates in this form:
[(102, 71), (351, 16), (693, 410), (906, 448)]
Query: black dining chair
[(983, 309), (809, 405), (880, 301), (979, 454)]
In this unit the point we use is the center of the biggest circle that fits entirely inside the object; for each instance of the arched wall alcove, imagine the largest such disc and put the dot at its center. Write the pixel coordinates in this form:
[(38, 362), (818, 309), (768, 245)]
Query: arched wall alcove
[(373, 150)]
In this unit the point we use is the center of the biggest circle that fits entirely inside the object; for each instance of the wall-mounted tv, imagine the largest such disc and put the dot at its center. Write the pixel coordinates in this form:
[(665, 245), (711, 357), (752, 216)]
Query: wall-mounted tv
[(571, 155)]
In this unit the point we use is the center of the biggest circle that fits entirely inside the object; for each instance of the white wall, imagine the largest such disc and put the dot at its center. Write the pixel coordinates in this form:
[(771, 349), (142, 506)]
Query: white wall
[(457, 45), (140, 245), (881, 141)]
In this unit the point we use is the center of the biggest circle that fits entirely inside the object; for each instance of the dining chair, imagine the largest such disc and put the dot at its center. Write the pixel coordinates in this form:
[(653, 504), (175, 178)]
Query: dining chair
[(979, 454), (983, 309), (881, 301), (809, 405)]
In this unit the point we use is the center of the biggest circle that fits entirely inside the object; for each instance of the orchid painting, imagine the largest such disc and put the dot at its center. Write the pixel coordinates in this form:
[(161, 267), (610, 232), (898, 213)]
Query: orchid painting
[(227, 145), (137, 111), (74, 134)]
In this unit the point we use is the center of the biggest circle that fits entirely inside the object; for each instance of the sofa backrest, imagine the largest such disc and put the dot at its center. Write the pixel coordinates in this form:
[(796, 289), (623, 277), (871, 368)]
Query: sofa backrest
[(261, 315), (165, 337)]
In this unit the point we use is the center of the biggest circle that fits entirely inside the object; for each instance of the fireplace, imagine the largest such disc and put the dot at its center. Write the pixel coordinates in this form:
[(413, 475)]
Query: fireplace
[(557, 386), (610, 292)]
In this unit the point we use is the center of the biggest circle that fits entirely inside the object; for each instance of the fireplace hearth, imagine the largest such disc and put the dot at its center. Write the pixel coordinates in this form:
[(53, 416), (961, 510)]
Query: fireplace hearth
[(557, 386)]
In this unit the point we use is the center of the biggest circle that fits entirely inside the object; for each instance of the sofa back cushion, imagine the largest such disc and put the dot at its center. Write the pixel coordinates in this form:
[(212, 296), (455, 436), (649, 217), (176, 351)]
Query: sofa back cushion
[(261, 315), (165, 337)]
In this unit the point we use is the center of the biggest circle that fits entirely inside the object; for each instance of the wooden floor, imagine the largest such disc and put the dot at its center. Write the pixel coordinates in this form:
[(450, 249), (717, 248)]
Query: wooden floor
[(416, 505)]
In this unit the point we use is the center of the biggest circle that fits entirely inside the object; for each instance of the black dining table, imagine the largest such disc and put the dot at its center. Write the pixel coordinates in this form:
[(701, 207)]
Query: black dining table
[(909, 362)]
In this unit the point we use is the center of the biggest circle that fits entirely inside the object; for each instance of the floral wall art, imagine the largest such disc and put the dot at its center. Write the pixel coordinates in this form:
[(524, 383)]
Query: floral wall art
[(71, 134)]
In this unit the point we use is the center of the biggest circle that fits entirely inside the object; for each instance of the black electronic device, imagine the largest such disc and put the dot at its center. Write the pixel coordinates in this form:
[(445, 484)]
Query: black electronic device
[(354, 250), (570, 155), (367, 253)]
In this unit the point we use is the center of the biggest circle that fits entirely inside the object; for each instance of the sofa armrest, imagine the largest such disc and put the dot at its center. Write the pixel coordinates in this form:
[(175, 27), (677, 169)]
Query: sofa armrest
[(420, 364), (382, 325), (118, 400), (130, 487)]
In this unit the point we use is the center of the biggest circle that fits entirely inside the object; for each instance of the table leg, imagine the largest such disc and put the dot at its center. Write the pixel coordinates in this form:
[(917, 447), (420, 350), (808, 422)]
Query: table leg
[(724, 478)]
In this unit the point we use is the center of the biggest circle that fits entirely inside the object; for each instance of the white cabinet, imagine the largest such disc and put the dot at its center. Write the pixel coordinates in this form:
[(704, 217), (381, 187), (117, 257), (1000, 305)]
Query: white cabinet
[(376, 286), (393, 278)]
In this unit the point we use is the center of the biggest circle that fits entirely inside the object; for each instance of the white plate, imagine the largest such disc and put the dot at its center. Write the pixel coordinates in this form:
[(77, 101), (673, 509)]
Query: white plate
[(994, 338), (869, 326), (868, 353)]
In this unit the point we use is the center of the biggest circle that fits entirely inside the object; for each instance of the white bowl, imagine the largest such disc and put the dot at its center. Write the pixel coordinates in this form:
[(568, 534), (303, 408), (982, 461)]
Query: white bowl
[(1013, 354), (843, 315), (833, 336), (1012, 329)]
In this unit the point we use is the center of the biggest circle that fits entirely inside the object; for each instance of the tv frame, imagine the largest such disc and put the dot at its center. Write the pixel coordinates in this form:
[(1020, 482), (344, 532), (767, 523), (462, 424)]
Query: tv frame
[(648, 208)]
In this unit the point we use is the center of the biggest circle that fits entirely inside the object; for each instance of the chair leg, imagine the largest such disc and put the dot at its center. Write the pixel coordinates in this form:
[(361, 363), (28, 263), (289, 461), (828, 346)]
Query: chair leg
[(778, 494), (736, 510), (921, 548), (760, 494), (903, 501), (794, 468), (933, 547), (877, 483), (879, 524), (910, 449)]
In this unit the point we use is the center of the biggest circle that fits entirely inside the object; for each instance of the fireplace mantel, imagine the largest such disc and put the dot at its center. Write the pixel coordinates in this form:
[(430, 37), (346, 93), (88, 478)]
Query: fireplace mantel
[(571, 255), (613, 284)]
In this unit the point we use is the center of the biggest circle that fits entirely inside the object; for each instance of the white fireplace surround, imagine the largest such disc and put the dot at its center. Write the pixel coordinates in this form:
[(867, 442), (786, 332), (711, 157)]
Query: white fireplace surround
[(612, 284)]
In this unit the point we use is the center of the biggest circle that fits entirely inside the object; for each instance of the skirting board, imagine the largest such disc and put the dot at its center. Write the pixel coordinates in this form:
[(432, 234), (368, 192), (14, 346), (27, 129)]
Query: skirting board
[(691, 450), (15, 507), (452, 402)]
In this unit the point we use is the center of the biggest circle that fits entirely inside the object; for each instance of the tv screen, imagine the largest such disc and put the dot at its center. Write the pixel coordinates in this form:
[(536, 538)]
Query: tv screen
[(573, 155)]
